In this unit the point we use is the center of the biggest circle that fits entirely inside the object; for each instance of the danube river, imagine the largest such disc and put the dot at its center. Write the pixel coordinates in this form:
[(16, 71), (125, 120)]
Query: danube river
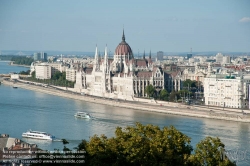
[(21, 110)]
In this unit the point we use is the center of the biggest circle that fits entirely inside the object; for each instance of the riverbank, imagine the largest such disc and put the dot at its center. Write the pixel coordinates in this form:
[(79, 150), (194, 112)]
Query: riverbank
[(147, 105), (12, 64)]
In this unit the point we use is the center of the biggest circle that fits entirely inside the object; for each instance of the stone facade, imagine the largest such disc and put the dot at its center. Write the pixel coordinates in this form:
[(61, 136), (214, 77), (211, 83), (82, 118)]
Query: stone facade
[(227, 91), (123, 76)]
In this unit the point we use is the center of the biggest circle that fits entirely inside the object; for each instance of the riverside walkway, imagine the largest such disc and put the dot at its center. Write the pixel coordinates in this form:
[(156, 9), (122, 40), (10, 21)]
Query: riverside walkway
[(159, 106)]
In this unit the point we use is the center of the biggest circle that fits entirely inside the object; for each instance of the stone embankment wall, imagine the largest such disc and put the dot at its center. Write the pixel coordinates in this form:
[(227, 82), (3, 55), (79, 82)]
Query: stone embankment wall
[(146, 104)]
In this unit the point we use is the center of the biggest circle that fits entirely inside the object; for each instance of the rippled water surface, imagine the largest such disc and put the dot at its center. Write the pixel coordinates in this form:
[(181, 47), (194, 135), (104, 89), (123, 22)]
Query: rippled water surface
[(22, 109)]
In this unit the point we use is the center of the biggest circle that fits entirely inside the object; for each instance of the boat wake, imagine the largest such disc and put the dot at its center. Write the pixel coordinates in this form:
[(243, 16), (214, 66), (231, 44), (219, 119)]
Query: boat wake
[(57, 140)]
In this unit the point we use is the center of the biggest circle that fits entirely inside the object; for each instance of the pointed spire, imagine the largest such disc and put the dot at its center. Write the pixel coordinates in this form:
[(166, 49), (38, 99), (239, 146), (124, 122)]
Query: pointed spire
[(123, 36), (105, 60), (144, 55), (150, 54), (96, 52), (106, 52)]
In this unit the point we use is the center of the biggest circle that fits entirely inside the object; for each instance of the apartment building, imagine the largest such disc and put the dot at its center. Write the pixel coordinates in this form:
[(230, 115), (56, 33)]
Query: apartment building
[(57, 67), (227, 91), (43, 71), (71, 74)]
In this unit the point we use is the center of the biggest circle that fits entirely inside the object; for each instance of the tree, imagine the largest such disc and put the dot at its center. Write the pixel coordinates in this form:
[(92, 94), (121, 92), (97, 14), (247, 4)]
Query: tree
[(150, 90), (25, 72), (164, 95), (189, 83), (22, 60), (210, 152), (56, 75), (139, 145), (64, 141), (33, 74), (174, 96)]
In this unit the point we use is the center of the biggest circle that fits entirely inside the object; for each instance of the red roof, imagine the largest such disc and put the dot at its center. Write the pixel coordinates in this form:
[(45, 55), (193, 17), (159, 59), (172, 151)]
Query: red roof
[(144, 74)]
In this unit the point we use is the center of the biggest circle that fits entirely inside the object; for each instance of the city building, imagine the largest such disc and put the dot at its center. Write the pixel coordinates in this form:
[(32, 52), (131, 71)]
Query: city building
[(71, 74), (219, 58), (36, 57), (43, 71), (159, 55), (226, 60), (189, 55), (123, 76), (227, 91), (197, 72), (40, 56), (55, 67), (10, 147)]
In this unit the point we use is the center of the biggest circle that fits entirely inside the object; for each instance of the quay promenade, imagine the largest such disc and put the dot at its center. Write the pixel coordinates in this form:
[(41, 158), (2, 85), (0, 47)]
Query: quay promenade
[(145, 104)]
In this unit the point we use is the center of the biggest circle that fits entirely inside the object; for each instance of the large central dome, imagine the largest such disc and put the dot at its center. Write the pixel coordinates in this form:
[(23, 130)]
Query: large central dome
[(123, 48)]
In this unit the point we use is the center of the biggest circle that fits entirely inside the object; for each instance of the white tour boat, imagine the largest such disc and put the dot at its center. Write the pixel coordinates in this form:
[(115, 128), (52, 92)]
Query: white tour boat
[(38, 135), (83, 115)]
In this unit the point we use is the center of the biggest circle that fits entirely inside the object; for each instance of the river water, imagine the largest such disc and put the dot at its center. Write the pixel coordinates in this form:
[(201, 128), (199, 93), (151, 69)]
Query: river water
[(22, 109)]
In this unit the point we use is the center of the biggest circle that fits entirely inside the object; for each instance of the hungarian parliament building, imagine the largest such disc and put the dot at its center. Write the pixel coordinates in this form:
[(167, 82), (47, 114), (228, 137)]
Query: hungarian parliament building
[(124, 77)]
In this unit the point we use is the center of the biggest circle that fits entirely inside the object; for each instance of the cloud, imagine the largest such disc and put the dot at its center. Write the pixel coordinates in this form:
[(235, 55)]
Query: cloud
[(245, 19)]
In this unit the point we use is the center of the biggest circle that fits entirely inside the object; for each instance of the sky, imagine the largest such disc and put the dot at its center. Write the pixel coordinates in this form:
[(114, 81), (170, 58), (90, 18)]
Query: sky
[(162, 25)]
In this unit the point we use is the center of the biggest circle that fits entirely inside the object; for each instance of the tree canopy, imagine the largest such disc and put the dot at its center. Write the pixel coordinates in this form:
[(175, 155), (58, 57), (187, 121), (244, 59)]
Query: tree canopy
[(189, 83), (22, 60), (25, 72), (150, 90), (150, 145), (164, 95), (58, 79), (209, 152), (174, 96)]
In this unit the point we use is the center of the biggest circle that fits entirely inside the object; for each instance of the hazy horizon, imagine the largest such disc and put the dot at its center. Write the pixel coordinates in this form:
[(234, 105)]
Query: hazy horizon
[(89, 53)]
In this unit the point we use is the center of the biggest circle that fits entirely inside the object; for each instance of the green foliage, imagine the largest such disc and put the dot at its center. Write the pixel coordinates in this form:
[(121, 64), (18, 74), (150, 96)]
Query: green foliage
[(139, 145), (22, 60), (25, 72), (174, 96), (59, 76), (164, 95), (189, 83), (58, 79), (150, 90), (33, 75), (64, 141), (209, 152), (182, 92)]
